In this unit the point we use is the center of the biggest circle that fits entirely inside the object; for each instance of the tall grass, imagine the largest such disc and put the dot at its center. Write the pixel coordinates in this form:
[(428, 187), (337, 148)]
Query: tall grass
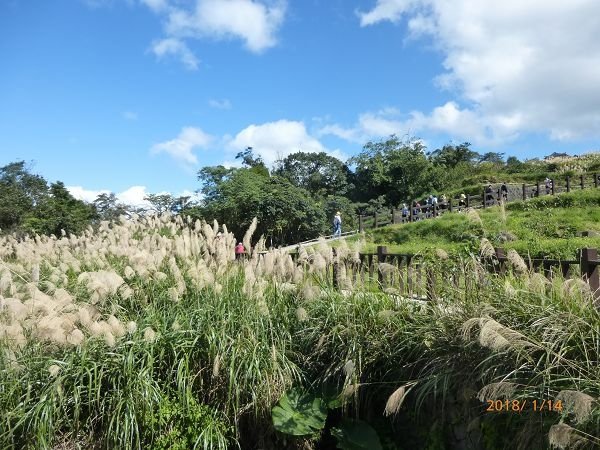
[(149, 334)]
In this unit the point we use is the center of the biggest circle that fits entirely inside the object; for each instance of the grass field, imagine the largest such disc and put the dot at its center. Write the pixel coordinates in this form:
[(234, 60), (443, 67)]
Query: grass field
[(547, 226)]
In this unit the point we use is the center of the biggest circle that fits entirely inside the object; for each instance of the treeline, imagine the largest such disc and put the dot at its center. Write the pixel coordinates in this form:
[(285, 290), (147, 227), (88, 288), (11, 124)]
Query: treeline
[(294, 200)]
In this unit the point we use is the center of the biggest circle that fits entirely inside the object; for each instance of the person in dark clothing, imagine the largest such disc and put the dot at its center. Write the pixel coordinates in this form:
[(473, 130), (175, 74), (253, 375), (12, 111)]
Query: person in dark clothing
[(489, 195), (504, 192)]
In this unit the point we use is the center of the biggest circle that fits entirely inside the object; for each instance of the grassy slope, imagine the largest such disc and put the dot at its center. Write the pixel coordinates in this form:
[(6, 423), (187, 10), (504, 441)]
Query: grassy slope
[(545, 225)]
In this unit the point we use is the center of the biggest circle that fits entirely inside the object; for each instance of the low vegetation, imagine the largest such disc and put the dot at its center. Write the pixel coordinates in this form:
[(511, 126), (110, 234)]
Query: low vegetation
[(545, 226), (147, 333)]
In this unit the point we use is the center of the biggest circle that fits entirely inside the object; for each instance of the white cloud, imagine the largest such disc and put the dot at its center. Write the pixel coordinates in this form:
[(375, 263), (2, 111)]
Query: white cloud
[(448, 119), (255, 22), (274, 140), (219, 104), (132, 196), (177, 48), (86, 195), (391, 10), (156, 5), (181, 148), (129, 115), (519, 66)]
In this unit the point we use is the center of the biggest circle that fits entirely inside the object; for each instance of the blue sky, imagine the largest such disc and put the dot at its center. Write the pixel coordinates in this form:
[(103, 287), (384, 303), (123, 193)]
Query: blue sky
[(134, 96)]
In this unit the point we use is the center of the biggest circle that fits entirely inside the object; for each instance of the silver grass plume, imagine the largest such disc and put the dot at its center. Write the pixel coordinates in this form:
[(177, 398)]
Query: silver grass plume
[(474, 217), (564, 437), (500, 390), (395, 400), (516, 261), (486, 249), (248, 235), (578, 403)]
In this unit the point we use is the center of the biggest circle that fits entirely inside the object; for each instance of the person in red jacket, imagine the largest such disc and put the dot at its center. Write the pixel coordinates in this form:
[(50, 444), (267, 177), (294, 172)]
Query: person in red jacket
[(239, 250)]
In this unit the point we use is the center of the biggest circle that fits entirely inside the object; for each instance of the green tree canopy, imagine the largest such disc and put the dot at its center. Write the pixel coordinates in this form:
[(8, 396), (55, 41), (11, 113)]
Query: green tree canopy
[(60, 211), (20, 192), (318, 173), (398, 170), (451, 156), (285, 212), (108, 206)]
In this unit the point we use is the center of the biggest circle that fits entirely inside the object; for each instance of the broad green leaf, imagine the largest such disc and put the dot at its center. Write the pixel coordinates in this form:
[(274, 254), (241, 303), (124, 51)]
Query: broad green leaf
[(356, 435), (299, 414)]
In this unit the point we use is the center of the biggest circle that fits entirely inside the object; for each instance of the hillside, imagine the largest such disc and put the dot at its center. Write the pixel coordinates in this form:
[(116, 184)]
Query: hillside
[(549, 226)]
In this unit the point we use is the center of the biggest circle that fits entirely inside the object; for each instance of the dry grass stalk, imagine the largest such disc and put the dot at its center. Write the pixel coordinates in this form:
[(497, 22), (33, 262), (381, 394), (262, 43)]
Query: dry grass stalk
[(564, 437), (486, 249), (578, 403), (395, 400), (500, 390), (248, 235), (473, 216), (517, 262)]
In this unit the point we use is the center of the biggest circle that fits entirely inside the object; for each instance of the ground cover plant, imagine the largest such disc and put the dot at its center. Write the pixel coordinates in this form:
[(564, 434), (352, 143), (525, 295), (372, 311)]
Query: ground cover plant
[(548, 225), (148, 333)]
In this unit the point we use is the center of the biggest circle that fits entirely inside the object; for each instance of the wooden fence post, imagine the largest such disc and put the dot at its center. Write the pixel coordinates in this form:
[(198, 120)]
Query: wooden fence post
[(589, 270), (595, 180), (375, 221), (568, 184), (393, 216), (501, 256), (582, 181), (450, 205), (335, 268), (361, 226), (484, 198), (552, 186), (430, 283), (381, 254), (468, 200), (524, 192), (410, 213), (537, 189)]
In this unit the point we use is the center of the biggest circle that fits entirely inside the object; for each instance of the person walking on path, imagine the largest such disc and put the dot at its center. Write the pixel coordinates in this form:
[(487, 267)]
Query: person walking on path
[(337, 225), (239, 250), (504, 192)]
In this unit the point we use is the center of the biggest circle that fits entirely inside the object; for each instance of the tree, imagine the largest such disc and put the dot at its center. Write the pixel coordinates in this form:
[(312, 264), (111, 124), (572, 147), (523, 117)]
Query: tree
[(255, 163), (318, 173), (285, 213), (451, 156), (20, 193), (492, 158), (398, 170), (60, 211), (211, 178), (160, 203), (108, 206)]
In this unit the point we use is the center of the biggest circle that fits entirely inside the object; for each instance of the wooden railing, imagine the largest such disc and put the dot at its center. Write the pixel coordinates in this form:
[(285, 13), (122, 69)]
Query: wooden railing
[(484, 200), (412, 276)]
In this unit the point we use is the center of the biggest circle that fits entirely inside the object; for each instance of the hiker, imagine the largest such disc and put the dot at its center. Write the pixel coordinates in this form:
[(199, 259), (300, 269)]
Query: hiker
[(548, 183), (404, 212), (504, 192), (462, 202), (489, 196), (443, 201), (337, 224), (416, 209), (239, 250), (434, 205)]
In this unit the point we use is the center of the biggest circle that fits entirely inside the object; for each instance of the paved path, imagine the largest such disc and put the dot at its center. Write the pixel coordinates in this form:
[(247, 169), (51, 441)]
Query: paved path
[(316, 241)]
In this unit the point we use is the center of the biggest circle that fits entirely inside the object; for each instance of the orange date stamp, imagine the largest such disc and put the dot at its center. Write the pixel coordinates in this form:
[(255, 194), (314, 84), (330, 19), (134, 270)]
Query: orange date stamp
[(519, 406)]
